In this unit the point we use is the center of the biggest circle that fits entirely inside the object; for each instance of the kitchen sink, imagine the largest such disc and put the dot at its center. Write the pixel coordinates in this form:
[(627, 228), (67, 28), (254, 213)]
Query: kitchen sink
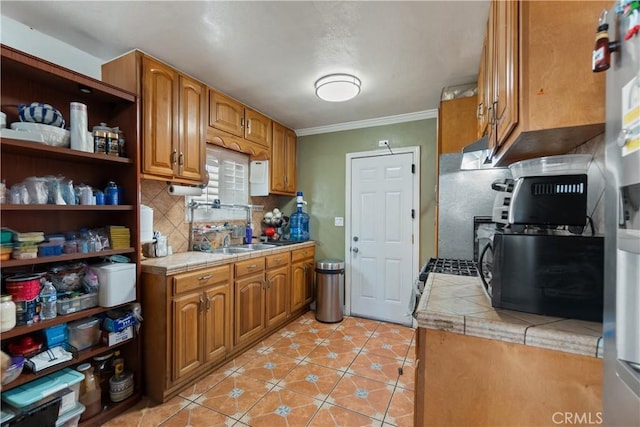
[(231, 250), (255, 246)]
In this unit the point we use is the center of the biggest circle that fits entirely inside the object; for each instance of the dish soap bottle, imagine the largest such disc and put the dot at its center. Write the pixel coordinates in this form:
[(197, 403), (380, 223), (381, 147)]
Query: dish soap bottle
[(299, 221)]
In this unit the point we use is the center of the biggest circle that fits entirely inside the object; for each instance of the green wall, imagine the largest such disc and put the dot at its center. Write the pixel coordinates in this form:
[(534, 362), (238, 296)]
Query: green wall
[(321, 176)]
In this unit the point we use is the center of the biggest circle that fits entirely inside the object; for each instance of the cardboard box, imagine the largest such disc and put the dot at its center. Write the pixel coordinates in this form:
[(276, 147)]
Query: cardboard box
[(113, 338)]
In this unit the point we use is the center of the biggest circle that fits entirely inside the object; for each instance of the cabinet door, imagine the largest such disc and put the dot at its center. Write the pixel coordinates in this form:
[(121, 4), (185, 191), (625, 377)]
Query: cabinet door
[(159, 113), (226, 114), (277, 295), (299, 288), (290, 147), (191, 153), (506, 68), (250, 306), (186, 334), (484, 91), (278, 159), (309, 282), (217, 322), (257, 128)]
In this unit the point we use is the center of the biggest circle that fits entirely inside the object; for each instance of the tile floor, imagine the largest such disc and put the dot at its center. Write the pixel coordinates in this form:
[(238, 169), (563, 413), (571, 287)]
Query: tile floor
[(306, 374)]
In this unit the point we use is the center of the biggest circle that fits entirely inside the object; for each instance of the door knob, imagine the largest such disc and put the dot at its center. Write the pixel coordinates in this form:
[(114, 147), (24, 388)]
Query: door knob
[(355, 250), (355, 238)]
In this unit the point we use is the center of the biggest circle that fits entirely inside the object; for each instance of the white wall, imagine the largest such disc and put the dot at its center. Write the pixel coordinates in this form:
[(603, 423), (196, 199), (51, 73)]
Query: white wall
[(26, 39)]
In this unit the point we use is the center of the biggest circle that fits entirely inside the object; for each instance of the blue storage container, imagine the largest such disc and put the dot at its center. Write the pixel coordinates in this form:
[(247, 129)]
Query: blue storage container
[(40, 388)]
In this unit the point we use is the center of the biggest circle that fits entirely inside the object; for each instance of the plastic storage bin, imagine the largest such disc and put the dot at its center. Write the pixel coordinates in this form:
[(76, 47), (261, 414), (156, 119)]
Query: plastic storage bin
[(41, 388), (566, 164), (84, 333), (71, 418), (67, 304), (117, 283)]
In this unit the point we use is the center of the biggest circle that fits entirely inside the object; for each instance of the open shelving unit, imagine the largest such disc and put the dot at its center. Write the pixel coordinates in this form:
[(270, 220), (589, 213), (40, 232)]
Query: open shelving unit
[(27, 79)]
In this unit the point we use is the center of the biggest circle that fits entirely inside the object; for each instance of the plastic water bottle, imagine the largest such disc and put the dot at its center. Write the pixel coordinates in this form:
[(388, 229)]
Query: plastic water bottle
[(299, 222), (48, 297)]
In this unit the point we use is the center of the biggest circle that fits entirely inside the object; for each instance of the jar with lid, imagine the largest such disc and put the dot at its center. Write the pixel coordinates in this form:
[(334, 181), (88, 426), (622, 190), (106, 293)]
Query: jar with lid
[(7, 313), (103, 366), (89, 392), (100, 138), (112, 144)]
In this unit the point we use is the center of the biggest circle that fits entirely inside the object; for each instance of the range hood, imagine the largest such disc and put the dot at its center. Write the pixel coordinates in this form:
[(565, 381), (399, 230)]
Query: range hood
[(477, 155)]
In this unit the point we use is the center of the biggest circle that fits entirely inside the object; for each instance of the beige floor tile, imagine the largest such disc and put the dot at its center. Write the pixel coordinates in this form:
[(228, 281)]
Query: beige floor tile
[(147, 413), (310, 331), (196, 390), (352, 323), (392, 331), (270, 367), (195, 415), (385, 347), (331, 415), (311, 379), (378, 368), (234, 395), (336, 356), (282, 407), (296, 346), (400, 411), (357, 338), (362, 395), (408, 378)]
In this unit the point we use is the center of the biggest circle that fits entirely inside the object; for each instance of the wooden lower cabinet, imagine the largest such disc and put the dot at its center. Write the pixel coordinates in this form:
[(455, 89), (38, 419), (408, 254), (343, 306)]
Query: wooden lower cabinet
[(195, 321), (250, 305), (302, 265), (463, 380)]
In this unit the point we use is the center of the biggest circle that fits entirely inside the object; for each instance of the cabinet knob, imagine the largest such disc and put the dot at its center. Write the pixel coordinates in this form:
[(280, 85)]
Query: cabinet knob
[(208, 303), (201, 306), (205, 277), (174, 157), (242, 122), (181, 159)]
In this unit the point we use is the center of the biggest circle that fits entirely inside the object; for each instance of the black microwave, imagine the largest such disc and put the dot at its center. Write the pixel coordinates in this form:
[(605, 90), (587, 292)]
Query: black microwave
[(558, 275)]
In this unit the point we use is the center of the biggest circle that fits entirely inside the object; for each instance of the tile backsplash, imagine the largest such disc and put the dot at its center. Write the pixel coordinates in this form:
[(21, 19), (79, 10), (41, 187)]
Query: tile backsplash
[(169, 212), (596, 180)]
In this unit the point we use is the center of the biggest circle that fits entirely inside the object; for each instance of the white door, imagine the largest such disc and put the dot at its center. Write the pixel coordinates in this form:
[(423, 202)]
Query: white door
[(381, 253)]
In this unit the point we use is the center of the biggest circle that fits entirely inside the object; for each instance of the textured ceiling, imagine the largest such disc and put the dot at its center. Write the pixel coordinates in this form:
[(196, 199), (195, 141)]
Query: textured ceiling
[(268, 54)]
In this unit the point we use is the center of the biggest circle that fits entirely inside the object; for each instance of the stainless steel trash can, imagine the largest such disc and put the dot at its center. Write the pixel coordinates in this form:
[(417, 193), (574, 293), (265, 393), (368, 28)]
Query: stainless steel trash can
[(329, 286)]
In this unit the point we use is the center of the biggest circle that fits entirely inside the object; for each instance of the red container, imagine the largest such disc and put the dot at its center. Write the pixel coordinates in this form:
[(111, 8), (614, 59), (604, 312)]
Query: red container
[(23, 287)]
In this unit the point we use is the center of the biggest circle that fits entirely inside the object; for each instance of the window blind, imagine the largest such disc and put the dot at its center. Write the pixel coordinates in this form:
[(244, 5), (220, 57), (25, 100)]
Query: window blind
[(228, 174)]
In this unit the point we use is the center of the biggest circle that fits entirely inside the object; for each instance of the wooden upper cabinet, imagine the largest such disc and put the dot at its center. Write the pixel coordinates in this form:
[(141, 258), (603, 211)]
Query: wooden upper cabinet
[(257, 127), (456, 124), (229, 115), (191, 146), (173, 116), (283, 161), (159, 130), (545, 100), (505, 72), (226, 113)]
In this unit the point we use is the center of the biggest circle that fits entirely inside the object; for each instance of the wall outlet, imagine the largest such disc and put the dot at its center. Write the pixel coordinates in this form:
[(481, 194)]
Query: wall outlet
[(338, 221), (383, 143)]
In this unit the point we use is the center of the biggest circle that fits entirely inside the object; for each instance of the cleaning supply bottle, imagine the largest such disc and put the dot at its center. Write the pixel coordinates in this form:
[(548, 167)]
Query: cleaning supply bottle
[(299, 222)]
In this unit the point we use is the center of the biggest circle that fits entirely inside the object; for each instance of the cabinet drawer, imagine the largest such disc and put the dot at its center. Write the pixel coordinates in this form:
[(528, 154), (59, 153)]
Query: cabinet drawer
[(250, 266), (278, 260), (299, 254), (189, 281)]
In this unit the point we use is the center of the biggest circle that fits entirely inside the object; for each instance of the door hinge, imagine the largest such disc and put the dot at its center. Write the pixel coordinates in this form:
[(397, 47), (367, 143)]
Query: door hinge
[(413, 168), (413, 213)]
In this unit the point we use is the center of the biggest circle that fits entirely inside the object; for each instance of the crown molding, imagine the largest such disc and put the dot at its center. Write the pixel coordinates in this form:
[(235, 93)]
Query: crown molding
[(380, 121)]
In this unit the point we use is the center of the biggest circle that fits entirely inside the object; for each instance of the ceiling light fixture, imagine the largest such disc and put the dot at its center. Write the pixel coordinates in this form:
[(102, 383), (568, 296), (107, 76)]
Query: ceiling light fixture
[(337, 87)]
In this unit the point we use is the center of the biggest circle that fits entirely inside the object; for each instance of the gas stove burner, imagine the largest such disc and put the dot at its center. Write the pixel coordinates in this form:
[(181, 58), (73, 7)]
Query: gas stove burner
[(457, 267)]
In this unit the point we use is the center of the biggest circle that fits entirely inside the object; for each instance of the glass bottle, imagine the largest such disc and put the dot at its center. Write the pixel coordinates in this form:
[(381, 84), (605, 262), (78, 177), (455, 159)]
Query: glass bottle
[(103, 366), (89, 392), (601, 59)]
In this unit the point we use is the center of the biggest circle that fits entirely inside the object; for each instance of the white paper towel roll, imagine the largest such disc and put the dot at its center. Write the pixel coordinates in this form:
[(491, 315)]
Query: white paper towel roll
[(146, 224), (184, 190), (78, 128)]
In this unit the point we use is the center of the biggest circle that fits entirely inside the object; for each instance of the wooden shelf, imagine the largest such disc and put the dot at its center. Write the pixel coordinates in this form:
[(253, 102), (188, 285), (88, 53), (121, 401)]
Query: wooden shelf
[(64, 318), (35, 149), (113, 410), (71, 208), (83, 355), (65, 257)]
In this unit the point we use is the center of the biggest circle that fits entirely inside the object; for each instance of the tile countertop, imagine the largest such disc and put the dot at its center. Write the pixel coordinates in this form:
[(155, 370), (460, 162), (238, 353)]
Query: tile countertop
[(188, 261), (460, 305)]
